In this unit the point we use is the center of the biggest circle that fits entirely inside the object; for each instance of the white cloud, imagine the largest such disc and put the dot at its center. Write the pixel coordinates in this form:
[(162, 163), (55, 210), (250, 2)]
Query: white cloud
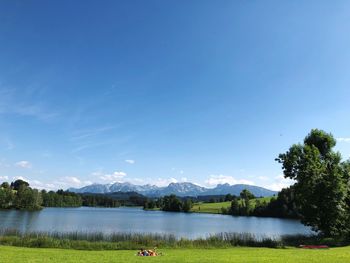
[(66, 182), (115, 177), (177, 171), (120, 178), (279, 182), (130, 161), (97, 173), (137, 181), (14, 178), (69, 181), (72, 180), (24, 164), (164, 181), (40, 185), (4, 178), (214, 180), (263, 178), (343, 139), (62, 183)]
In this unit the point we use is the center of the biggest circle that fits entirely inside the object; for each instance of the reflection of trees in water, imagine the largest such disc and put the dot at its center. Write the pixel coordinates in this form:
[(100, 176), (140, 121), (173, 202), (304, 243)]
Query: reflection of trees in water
[(122, 220), (10, 219), (19, 220), (30, 221)]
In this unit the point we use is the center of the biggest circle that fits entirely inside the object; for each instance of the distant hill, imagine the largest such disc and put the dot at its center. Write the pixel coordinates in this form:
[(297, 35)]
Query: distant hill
[(179, 189)]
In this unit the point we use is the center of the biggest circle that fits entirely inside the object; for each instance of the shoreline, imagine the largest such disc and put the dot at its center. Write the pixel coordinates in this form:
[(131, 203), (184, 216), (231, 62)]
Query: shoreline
[(120, 240)]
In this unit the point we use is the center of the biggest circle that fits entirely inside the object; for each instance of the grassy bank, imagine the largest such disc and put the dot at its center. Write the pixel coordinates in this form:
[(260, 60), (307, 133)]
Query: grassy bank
[(247, 255), (216, 208), (212, 208), (122, 241)]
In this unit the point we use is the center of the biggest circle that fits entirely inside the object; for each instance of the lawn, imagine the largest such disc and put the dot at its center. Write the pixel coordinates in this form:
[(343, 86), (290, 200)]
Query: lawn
[(246, 255), (215, 208)]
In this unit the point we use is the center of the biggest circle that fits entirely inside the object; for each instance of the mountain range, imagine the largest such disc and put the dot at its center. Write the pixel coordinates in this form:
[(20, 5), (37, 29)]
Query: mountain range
[(179, 189)]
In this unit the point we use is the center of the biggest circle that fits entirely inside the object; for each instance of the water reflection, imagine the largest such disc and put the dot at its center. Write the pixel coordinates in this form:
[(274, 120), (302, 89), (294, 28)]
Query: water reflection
[(109, 220)]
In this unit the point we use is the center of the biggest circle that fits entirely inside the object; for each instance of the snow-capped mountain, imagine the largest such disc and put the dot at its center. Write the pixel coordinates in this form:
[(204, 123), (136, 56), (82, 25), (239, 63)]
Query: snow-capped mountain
[(179, 189)]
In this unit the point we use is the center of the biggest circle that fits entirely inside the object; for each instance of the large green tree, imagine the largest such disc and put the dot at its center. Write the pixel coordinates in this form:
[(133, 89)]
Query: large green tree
[(322, 183)]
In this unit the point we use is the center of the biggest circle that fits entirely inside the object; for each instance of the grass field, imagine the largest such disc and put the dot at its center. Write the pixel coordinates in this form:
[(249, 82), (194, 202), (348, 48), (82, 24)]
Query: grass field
[(10, 254), (215, 208)]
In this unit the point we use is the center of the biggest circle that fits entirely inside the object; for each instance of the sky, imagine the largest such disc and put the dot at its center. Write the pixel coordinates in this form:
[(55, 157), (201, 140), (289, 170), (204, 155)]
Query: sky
[(156, 92)]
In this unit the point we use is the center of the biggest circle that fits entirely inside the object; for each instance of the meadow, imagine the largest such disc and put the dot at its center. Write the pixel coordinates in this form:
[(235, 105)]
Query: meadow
[(288, 255), (216, 208)]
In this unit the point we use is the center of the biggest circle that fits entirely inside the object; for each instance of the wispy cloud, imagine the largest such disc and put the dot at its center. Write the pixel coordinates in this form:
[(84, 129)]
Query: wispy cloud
[(344, 139), (24, 164), (86, 145), (36, 111), (129, 161), (9, 145), (214, 180), (89, 145), (87, 133), (21, 103)]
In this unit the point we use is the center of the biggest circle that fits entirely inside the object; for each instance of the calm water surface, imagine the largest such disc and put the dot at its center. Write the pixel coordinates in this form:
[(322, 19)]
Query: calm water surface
[(109, 220)]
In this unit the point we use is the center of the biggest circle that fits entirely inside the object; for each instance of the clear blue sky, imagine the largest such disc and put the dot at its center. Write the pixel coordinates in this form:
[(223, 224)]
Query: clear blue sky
[(161, 91)]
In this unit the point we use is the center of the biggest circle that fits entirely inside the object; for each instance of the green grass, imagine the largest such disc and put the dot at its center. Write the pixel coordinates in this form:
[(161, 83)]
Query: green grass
[(215, 208), (212, 208), (246, 255)]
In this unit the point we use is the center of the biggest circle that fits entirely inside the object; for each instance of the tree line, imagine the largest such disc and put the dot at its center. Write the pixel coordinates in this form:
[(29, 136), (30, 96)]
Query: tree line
[(246, 204), (19, 195), (170, 203)]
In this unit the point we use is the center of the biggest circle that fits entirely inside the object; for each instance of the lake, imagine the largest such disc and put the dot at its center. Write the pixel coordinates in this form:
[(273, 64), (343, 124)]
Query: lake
[(107, 220)]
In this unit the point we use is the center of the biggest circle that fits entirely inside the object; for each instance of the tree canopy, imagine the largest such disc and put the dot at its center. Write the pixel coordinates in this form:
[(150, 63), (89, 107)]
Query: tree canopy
[(321, 183), (20, 195)]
